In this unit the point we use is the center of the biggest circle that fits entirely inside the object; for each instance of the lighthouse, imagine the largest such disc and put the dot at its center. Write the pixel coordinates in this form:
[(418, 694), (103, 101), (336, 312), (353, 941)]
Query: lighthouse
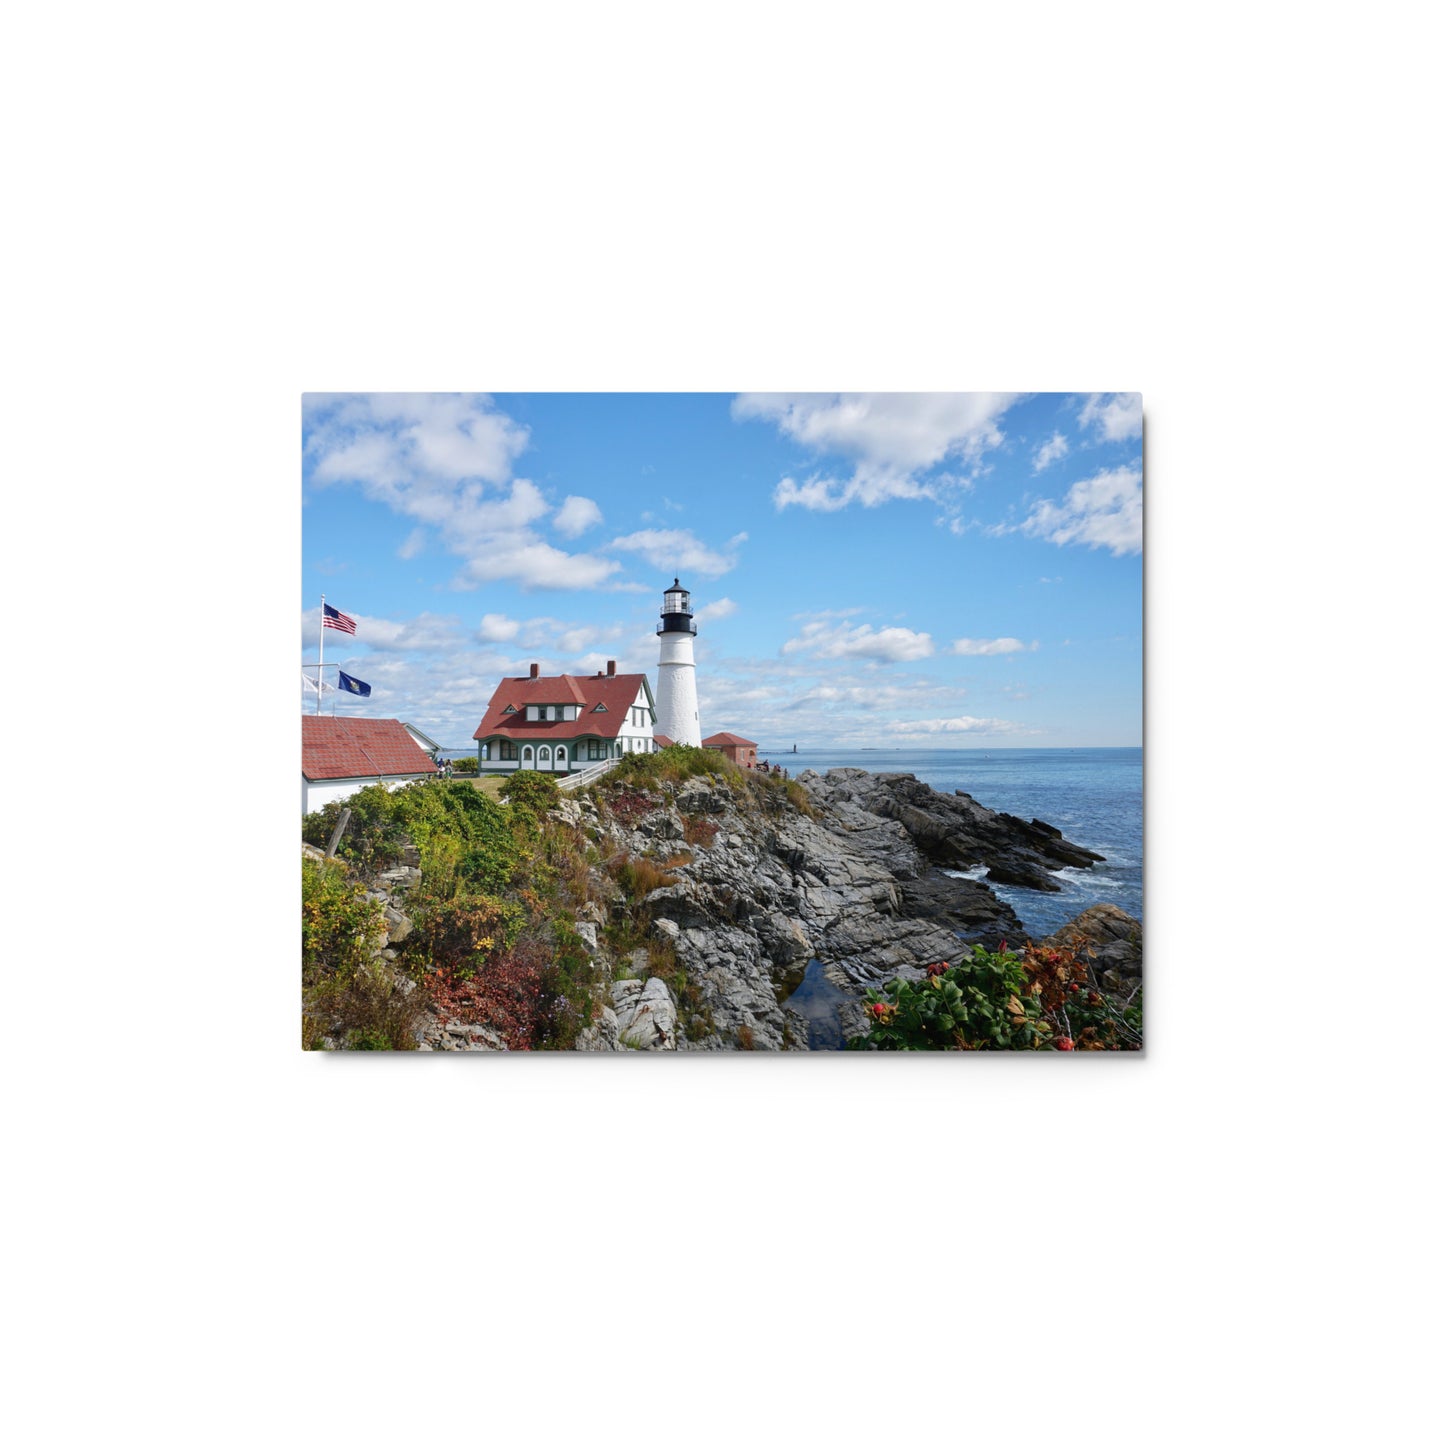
[(676, 670)]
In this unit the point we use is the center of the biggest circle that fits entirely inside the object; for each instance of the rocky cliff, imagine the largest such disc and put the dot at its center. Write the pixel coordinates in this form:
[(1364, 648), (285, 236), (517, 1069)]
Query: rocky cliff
[(844, 875), (856, 886)]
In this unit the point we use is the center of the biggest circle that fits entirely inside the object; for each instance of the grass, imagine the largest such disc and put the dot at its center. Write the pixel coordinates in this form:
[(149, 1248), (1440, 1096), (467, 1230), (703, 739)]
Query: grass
[(649, 771)]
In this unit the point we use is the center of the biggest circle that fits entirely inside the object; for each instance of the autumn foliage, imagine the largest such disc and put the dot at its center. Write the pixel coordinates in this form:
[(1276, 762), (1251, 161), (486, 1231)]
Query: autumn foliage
[(1033, 998)]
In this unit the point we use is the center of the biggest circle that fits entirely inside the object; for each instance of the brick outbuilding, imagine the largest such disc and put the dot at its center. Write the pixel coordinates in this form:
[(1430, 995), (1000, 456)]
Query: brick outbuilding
[(740, 750)]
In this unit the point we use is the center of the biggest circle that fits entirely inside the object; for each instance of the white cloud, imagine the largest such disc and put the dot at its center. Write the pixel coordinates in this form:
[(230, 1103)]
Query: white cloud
[(385, 440), (821, 494), (903, 431), (495, 627), (446, 462), (678, 552), (549, 634), (580, 637), (887, 644), (987, 647), (413, 546), (531, 564), (575, 515), (1057, 446), (1115, 417), (1105, 511), (716, 611), (891, 438), (929, 726), (425, 633)]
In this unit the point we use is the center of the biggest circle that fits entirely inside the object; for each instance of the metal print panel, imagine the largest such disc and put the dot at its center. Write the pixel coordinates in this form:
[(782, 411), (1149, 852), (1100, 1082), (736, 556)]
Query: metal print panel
[(757, 722)]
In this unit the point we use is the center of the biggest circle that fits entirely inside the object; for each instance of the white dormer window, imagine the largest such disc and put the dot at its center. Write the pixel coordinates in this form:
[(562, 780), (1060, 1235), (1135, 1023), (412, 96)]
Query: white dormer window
[(533, 712), (601, 707), (510, 707)]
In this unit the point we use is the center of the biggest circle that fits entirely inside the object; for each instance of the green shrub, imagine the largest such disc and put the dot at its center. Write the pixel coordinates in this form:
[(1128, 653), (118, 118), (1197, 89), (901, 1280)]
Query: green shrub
[(376, 1008), (534, 792), (464, 765), (374, 836), (340, 926), (461, 835), (775, 792), (672, 765), (1041, 996), (985, 1001), (462, 932)]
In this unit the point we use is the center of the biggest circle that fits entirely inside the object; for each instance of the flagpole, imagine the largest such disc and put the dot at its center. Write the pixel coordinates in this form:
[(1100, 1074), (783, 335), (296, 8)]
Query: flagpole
[(320, 652)]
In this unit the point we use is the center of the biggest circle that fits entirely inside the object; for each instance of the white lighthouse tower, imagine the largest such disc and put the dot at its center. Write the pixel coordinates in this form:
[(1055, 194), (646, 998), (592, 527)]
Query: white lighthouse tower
[(676, 670)]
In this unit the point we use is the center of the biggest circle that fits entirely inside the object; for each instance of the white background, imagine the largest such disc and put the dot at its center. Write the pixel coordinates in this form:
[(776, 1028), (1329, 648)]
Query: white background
[(1232, 210)]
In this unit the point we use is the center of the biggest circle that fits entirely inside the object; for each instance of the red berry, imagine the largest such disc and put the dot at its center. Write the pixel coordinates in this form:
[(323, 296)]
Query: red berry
[(1065, 1044)]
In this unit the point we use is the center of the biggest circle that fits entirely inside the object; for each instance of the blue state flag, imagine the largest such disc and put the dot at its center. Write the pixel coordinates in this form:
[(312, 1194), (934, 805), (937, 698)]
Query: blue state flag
[(353, 684)]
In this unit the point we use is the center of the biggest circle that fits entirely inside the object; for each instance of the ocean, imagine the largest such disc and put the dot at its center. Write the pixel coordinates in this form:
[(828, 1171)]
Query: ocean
[(1094, 796)]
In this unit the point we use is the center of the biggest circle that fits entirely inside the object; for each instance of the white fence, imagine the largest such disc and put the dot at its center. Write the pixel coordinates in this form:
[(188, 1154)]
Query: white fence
[(588, 775)]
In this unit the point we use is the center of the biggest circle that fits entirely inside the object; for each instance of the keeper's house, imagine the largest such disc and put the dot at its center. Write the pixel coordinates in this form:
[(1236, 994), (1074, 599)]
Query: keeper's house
[(564, 724), (342, 755)]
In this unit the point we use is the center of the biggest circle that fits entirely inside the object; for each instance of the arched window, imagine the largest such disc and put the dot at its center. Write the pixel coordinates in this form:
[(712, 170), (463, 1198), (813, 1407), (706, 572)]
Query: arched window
[(527, 756), (485, 753), (544, 757)]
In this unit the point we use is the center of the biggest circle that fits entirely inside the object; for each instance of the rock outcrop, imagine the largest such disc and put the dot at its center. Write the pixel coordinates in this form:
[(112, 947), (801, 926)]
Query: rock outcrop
[(858, 885), (1114, 946), (847, 875)]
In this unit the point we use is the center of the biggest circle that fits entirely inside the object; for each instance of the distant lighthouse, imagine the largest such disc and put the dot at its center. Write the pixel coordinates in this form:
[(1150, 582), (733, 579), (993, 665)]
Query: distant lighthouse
[(676, 671)]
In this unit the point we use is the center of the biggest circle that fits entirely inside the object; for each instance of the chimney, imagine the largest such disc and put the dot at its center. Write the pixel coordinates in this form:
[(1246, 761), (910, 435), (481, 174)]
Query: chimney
[(611, 667), (536, 668)]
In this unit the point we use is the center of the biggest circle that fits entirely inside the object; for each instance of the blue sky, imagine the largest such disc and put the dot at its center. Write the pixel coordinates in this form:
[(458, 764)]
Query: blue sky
[(869, 570)]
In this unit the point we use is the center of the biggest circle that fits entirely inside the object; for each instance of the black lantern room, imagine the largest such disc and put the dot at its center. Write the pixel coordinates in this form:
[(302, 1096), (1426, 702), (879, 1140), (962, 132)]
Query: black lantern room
[(677, 610)]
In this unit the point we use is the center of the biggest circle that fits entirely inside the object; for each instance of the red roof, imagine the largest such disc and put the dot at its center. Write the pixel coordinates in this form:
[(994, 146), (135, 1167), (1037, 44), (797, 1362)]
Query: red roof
[(728, 740), (360, 747), (663, 741), (616, 692)]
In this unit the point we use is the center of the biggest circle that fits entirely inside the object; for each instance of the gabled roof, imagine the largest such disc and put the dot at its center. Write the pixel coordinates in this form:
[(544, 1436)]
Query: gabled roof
[(618, 691), (360, 747), (430, 744), (663, 741), (728, 740)]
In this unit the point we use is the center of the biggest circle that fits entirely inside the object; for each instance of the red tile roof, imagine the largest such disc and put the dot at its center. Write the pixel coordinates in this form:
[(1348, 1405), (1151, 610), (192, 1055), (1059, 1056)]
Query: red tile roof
[(728, 740), (616, 691), (360, 747), (663, 741)]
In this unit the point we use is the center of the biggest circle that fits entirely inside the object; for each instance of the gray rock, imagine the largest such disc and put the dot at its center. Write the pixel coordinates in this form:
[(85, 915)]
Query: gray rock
[(646, 1018), (602, 1036), (860, 887)]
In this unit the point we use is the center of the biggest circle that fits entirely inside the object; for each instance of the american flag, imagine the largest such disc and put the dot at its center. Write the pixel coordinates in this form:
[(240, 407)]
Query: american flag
[(330, 617)]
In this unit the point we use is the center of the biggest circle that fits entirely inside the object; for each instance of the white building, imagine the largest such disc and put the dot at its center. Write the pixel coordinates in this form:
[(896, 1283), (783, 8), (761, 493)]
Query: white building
[(676, 671), (564, 724), (342, 755)]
